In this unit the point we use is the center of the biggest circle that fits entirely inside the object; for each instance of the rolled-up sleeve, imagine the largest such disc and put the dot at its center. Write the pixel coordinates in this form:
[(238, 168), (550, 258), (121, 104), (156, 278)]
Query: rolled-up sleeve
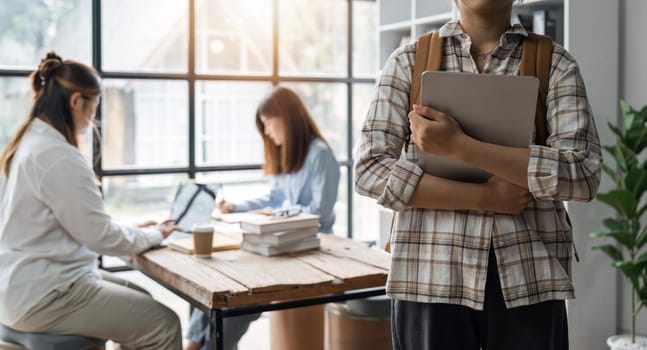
[(569, 167), (380, 171)]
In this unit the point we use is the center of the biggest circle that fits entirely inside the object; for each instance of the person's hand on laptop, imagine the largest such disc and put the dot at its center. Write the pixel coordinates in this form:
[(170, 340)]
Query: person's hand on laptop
[(166, 227), (434, 131), (226, 207)]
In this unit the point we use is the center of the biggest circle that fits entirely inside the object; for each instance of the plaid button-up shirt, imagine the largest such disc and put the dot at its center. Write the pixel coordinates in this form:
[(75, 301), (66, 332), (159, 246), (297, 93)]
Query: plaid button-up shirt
[(441, 256)]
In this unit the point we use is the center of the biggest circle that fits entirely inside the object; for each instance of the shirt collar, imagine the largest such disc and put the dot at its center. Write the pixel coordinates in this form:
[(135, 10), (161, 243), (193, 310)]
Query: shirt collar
[(40, 127), (454, 29)]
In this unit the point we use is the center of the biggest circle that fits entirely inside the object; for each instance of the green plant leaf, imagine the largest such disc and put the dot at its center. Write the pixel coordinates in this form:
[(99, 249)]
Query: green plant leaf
[(630, 117), (629, 114), (616, 131), (615, 224), (636, 182), (635, 139), (611, 251), (625, 238), (642, 211), (642, 238), (622, 201), (613, 175), (631, 271), (624, 157), (641, 261), (624, 107)]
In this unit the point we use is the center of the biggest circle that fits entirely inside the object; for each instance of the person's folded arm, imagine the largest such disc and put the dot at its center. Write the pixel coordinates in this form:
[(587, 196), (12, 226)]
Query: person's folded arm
[(567, 169), (570, 168), (379, 171)]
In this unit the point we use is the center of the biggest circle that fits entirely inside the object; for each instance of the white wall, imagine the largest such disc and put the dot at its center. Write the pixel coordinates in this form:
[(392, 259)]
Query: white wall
[(633, 88), (592, 37)]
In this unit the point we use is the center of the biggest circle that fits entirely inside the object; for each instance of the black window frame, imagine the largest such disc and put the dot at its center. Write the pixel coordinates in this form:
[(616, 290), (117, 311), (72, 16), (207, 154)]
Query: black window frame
[(191, 77)]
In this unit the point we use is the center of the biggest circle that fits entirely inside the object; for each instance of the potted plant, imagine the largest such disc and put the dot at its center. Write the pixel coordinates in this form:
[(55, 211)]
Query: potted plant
[(625, 230)]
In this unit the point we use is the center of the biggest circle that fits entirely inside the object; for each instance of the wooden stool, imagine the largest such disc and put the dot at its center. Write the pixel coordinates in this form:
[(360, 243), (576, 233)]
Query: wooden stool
[(298, 329), (365, 327)]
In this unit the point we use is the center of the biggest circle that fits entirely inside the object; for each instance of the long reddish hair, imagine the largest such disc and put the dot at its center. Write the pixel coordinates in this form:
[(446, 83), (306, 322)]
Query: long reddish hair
[(300, 130)]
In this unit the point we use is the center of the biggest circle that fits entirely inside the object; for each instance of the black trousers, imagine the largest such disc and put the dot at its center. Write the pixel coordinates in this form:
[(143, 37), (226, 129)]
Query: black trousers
[(422, 326)]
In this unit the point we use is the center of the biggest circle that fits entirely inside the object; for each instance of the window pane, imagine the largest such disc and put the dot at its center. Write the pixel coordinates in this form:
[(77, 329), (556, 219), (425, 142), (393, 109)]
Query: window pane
[(365, 38), (234, 36), (140, 198), (313, 37), (370, 221), (362, 94), (145, 35), (237, 186), (145, 123), (31, 28), (328, 106), (15, 99), (341, 207), (225, 122)]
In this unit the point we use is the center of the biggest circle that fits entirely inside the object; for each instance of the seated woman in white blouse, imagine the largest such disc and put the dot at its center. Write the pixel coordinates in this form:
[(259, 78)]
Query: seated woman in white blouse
[(53, 226)]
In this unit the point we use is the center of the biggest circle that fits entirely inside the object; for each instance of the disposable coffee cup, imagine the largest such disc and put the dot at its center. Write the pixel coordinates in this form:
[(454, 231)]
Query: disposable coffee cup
[(202, 240)]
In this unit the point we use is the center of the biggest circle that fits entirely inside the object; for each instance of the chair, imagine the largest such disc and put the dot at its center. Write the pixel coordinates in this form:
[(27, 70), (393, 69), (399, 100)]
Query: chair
[(12, 339)]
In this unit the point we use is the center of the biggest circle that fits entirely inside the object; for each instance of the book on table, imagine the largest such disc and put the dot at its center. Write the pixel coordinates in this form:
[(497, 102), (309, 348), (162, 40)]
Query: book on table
[(270, 250), (267, 224), (280, 238), (220, 242), (236, 218)]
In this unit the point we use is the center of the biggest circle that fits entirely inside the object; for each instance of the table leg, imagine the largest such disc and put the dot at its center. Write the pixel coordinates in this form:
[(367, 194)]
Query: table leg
[(217, 338)]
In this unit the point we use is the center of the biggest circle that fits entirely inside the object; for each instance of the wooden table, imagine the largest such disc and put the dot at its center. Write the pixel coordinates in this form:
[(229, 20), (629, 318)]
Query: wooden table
[(237, 282)]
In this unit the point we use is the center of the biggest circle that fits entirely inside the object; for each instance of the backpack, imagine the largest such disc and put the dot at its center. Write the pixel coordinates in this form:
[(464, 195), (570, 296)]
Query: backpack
[(536, 58)]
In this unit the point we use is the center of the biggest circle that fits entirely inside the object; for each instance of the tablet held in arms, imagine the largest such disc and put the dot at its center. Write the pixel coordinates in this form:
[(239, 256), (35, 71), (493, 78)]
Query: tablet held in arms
[(497, 109)]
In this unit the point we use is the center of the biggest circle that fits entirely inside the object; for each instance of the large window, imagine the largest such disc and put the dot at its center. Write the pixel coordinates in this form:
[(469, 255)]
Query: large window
[(182, 79)]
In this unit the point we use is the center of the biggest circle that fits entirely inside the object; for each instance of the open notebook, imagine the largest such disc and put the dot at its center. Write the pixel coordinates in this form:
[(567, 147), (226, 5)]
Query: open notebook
[(220, 242)]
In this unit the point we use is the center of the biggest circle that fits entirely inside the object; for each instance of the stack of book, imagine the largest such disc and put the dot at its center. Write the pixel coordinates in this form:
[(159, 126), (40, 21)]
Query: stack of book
[(269, 235)]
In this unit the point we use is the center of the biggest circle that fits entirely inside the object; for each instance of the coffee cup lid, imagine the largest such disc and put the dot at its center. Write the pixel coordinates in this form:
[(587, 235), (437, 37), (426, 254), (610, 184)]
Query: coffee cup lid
[(202, 228)]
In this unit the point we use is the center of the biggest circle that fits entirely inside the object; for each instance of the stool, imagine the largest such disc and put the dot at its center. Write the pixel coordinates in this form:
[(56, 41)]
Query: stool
[(309, 321), (45, 341), (359, 324)]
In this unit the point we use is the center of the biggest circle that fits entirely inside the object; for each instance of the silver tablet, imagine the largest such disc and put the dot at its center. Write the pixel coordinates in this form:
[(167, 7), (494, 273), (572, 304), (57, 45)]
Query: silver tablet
[(497, 109)]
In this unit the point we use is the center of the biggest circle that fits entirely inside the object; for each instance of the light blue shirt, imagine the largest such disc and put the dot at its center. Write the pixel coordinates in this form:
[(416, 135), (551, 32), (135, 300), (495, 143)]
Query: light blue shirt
[(313, 188)]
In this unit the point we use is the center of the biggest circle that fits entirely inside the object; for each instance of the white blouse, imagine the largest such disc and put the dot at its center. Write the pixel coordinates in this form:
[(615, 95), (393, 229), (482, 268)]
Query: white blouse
[(53, 224)]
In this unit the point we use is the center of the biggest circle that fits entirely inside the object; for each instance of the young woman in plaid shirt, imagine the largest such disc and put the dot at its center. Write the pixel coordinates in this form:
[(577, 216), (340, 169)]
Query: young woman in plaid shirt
[(479, 265)]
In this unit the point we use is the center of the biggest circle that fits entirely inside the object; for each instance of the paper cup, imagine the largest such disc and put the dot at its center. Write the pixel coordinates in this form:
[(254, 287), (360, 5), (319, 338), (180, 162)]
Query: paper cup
[(202, 240)]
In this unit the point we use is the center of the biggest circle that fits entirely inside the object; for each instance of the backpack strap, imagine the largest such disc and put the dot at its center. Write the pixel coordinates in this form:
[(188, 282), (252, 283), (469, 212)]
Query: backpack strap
[(536, 59), (429, 56), (431, 42)]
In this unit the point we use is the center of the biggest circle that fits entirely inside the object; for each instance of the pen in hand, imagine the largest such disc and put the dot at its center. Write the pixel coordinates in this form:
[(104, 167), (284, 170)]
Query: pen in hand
[(223, 206)]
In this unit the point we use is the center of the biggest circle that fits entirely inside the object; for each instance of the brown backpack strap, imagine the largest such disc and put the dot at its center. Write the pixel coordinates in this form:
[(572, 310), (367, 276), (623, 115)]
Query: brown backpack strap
[(536, 60), (429, 56)]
